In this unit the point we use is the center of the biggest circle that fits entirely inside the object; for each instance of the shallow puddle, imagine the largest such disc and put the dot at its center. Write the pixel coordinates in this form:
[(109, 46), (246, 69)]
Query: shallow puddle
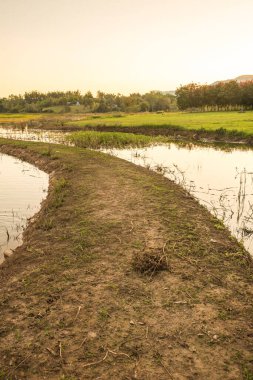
[(222, 180), (22, 189)]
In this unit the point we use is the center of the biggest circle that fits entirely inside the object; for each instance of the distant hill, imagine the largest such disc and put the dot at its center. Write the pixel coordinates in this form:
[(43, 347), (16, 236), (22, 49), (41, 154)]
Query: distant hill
[(240, 79)]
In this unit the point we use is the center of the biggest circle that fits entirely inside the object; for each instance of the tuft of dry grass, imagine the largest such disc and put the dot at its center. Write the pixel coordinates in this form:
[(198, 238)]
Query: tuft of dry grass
[(150, 262)]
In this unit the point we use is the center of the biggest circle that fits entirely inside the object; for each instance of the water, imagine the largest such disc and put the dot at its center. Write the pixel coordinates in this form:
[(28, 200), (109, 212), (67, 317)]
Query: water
[(33, 135), (221, 180), (22, 189)]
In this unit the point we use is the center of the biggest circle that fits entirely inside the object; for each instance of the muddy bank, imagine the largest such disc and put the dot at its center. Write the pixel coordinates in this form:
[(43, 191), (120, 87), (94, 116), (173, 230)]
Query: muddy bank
[(74, 304)]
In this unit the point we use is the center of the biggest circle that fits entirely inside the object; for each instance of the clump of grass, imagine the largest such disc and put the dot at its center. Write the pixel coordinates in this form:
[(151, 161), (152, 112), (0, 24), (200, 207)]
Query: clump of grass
[(47, 224), (60, 184), (96, 140), (247, 374), (150, 262), (59, 192)]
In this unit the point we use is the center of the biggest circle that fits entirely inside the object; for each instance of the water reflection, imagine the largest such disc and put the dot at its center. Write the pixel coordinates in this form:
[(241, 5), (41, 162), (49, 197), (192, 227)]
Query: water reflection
[(22, 189), (222, 180)]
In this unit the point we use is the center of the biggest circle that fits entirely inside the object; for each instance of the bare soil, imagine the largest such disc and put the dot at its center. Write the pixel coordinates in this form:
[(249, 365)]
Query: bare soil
[(73, 303)]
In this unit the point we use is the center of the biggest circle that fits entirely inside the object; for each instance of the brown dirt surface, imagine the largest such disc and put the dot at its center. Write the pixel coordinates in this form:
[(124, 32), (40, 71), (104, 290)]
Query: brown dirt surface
[(74, 304)]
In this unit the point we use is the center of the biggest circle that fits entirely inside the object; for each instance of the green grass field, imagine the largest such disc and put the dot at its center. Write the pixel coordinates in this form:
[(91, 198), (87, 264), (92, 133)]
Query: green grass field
[(210, 121)]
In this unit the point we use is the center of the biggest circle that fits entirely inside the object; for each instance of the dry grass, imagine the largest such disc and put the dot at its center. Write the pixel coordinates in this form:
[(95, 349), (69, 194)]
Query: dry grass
[(150, 262)]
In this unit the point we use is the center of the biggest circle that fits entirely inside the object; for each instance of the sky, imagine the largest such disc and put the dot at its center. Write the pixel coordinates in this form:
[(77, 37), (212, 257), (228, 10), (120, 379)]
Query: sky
[(122, 46)]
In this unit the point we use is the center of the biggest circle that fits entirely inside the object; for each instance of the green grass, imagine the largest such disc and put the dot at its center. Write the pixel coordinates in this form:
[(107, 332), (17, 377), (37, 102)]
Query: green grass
[(210, 121), (96, 140)]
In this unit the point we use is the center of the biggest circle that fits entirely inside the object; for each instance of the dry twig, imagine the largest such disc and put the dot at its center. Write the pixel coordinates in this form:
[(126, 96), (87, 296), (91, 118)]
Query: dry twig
[(119, 353), (78, 311), (51, 351), (97, 362)]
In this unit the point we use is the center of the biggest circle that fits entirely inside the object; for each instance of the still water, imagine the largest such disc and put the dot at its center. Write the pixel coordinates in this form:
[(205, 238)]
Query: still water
[(28, 134), (222, 180), (22, 189)]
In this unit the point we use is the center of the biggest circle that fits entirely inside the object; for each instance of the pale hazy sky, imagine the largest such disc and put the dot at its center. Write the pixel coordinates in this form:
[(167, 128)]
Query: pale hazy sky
[(122, 45)]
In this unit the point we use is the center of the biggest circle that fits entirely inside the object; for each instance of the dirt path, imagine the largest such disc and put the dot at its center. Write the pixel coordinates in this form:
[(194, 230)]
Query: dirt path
[(73, 306)]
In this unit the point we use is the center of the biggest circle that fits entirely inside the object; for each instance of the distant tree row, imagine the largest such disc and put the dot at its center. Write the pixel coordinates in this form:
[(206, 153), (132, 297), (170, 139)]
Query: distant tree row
[(220, 96), (45, 102)]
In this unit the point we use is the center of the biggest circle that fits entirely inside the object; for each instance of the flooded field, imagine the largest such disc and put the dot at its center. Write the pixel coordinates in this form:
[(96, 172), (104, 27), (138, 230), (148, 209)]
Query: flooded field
[(221, 179), (29, 134), (22, 189)]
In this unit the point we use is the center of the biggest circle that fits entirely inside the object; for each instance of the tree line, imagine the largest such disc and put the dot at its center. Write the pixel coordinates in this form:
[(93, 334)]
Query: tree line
[(35, 101), (222, 96), (225, 96)]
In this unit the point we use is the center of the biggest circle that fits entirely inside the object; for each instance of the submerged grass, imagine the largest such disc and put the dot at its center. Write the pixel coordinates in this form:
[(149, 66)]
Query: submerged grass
[(95, 140)]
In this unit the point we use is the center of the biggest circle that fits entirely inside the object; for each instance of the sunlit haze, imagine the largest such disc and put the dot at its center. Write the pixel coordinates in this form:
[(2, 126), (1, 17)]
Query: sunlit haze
[(122, 45)]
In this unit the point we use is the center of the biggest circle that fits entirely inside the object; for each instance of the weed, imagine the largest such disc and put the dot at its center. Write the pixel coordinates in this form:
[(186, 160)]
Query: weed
[(4, 376), (219, 225), (26, 281), (103, 314), (223, 315), (137, 244), (18, 334), (47, 224), (221, 132), (247, 374), (59, 193), (160, 169), (60, 184), (48, 151)]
